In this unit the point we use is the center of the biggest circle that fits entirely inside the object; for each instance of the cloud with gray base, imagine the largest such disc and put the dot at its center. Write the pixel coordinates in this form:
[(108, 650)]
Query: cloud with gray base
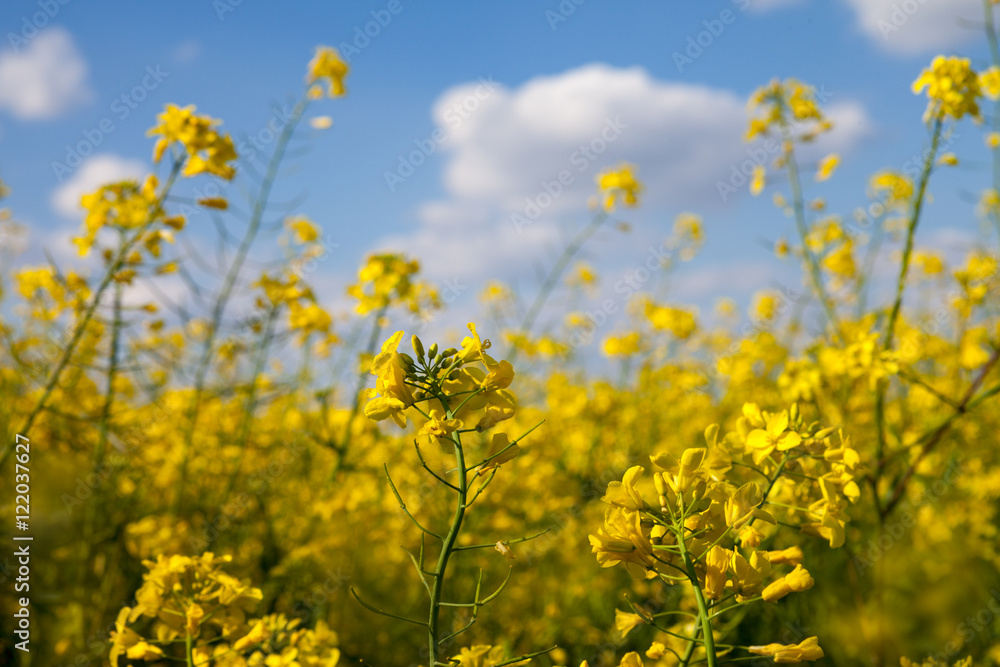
[(518, 162)]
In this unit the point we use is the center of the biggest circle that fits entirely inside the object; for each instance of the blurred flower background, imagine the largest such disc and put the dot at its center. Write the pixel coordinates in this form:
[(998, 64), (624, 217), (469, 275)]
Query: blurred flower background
[(373, 332)]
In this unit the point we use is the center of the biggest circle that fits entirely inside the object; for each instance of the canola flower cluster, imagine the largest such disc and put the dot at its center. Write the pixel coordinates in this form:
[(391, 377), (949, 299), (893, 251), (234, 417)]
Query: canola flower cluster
[(749, 489)]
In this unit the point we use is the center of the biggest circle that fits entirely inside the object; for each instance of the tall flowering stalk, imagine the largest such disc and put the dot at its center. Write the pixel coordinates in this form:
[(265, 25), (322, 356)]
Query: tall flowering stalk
[(454, 393), (702, 530)]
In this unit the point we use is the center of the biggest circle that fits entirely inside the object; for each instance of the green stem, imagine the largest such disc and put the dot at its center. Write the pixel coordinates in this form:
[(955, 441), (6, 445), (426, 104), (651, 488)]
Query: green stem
[(345, 443), (251, 403), (113, 267), (553, 278), (692, 645), (703, 615), (448, 546), (904, 267), (798, 205), (911, 229), (90, 517), (232, 276)]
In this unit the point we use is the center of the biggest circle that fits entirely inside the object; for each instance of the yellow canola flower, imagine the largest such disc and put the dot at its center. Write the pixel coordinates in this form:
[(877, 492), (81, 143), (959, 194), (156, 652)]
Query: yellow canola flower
[(763, 441), (953, 89), (304, 229), (219, 203), (389, 279), (501, 451), (625, 622), (758, 180), (716, 567), (780, 104), (121, 205), (808, 649), (827, 166), (619, 185), (438, 427), (623, 493), (391, 395), (789, 556), (897, 188), (207, 150), (796, 581), (631, 659), (327, 64), (622, 540), (841, 261), (749, 575), (989, 82), (742, 506), (622, 346), (681, 323)]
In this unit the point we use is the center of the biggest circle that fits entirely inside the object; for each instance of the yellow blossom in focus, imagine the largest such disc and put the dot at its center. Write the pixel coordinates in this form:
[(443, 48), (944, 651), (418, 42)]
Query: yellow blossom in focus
[(774, 435), (625, 622), (795, 581), (808, 649)]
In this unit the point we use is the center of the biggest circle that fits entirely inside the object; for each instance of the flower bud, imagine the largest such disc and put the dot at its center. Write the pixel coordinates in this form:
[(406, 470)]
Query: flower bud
[(432, 352), (449, 353), (407, 360), (418, 347)]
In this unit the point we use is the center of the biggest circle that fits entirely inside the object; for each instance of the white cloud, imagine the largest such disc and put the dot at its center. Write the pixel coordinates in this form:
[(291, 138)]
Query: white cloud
[(92, 174), (44, 79), (505, 151), (912, 27)]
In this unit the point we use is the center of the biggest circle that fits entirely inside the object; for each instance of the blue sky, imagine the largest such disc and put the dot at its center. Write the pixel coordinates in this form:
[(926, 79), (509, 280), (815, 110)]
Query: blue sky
[(549, 80)]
